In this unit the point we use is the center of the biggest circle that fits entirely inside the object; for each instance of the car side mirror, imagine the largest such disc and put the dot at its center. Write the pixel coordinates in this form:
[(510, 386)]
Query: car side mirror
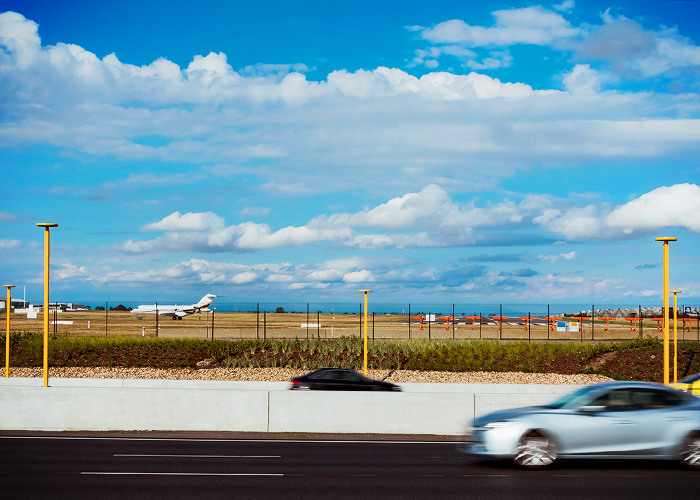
[(592, 409)]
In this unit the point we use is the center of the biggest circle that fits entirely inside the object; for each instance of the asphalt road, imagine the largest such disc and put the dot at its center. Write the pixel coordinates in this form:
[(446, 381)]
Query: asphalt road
[(134, 468)]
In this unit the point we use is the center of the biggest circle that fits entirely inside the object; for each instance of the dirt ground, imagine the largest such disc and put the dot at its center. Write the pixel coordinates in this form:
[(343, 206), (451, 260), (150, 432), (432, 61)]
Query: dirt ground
[(289, 325)]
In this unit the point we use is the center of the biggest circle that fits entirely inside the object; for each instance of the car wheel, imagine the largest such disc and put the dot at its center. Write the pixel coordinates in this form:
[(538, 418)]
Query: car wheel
[(535, 451), (691, 451)]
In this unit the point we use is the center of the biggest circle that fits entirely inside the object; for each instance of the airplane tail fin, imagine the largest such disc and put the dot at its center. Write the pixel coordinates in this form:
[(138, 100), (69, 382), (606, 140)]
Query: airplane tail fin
[(206, 300)]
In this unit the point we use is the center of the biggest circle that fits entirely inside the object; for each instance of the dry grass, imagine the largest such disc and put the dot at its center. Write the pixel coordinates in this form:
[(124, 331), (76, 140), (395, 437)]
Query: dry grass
[(288, 325)]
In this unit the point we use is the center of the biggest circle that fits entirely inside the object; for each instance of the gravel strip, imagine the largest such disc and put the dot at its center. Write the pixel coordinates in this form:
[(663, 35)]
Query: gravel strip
[(285, 374)]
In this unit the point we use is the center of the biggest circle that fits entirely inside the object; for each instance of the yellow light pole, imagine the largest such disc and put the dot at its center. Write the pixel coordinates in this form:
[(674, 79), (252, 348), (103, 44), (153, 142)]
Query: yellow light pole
[(7, 331), (47, 247), (666, 239), (675, 334), (365, 364)]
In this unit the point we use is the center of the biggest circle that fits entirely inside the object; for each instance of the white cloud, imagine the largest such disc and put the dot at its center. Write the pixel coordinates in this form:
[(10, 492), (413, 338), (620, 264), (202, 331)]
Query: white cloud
[(663, 207), (565, 6), (582, 80), (408, 131), (176, 221), (10, 243), (555, 257), (666, 206), (363, 276), (529, 25), (243, 278)]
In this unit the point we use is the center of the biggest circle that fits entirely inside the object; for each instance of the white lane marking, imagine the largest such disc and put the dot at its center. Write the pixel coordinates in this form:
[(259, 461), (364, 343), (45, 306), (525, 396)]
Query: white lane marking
[(194, 440), (174, 474), (198, 456)]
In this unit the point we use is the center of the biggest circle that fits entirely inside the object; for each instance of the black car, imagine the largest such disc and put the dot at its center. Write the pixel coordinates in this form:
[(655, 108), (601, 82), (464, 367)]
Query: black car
[(338, 379)]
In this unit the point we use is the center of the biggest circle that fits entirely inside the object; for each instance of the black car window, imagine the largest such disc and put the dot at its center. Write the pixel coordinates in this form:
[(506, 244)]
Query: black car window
[(617, 400), (324, 375), (665, 399), (347, 376), (636, 399)]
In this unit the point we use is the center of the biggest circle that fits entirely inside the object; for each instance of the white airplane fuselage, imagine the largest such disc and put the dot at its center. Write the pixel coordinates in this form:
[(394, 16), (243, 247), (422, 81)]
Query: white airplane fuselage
[(175, 311)]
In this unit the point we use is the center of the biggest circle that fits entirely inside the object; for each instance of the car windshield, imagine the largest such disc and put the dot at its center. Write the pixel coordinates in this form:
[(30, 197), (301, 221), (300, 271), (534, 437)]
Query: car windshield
[(691, 379), (576, 398)]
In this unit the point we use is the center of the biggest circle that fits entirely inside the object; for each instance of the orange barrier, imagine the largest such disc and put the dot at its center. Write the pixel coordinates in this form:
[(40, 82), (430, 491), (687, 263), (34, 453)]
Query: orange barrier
[(499, 318), (690, 324), (659, 323), (448, 318), (633, 323), (552, 321), (526, 318), (580, 322), (421, 318), (473, 318), (607, 322)]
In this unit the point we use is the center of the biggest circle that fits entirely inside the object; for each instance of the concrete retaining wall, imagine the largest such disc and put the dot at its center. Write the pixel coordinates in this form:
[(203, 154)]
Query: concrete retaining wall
[(193, 405)]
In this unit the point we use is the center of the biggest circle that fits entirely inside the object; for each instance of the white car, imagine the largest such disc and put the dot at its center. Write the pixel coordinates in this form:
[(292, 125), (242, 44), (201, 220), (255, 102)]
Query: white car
[(620, 420)]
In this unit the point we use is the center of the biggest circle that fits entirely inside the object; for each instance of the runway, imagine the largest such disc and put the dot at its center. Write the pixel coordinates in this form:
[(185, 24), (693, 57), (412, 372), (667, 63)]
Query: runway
[(33, 467)]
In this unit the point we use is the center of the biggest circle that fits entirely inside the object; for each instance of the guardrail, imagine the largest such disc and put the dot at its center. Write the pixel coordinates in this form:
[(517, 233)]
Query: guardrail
[(168, 405)]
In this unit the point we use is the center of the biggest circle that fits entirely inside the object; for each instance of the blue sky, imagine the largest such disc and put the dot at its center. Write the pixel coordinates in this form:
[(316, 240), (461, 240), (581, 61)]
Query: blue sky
[(511, 152)]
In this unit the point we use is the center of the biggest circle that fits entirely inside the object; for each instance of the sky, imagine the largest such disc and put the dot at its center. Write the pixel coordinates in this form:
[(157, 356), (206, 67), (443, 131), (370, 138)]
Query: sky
[(505, 152)]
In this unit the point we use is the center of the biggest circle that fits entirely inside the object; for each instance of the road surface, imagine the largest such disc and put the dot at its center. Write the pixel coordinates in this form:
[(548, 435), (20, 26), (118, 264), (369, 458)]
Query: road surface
[(68, 467)]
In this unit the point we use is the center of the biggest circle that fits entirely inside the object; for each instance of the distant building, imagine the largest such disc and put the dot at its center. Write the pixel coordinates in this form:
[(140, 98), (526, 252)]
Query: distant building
[(15, 304)]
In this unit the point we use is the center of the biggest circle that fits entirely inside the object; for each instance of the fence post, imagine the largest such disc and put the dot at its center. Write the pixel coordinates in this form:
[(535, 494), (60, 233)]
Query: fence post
[(212, 325), (428, 325), (592, 320), (318, 325), (500, 321), (360, 320), (453, 321), (107, 316), (372, 326), (409, 321), (547, 321), (257, 321), (479, 326), (264, 325), (641, 322), (307, 321), (528, 327)]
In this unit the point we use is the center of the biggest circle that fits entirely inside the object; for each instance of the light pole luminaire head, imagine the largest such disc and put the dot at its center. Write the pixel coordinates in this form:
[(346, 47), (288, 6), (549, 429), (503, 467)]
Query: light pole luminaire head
[(46, 224)]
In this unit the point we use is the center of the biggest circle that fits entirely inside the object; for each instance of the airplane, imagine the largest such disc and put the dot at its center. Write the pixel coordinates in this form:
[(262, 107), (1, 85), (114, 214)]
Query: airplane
[(178, 312)]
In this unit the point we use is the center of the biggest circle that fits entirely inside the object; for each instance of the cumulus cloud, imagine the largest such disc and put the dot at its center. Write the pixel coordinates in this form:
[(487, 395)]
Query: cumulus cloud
[(70, 271), (529, 25), (243, 278), (428, 218), (582, 80), (363, 276), (470, 128), (666, 206), (623, 45)]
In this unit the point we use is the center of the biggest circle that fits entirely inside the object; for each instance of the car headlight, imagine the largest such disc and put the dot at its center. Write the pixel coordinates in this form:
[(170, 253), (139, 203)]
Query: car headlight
[(499, 424)]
